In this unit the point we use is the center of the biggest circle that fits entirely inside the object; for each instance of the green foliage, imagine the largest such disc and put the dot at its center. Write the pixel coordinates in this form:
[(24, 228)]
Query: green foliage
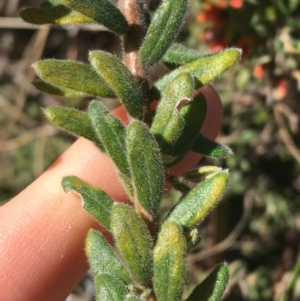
[(210, 148), (134, 241), (179, 54), (194, 207), (112, 134), (71, 75), (102, 258), (213, 287), (60, 91), (73, 121), (94, 200), (150, 263), (102, 11), (53, 14), (169, 263), (146, 167), (162, 30), (109, 288), (168, 125), (205, 69), (118, 76)]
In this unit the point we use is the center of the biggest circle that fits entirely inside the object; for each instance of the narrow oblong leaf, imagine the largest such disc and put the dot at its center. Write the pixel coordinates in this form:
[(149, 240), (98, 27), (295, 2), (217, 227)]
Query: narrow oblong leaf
[(213, 287), (118, 76), (169, 263), (195, 206), (55, 90), (205, 69), (162, 30), (201, 173), (109, 288), (112, 134), (102, 11), (146, 166), (58, 15), (168, 123), (134, 242), (193, 114), (211, 148), (179, 54), (94, 200), (74, 122), (102, 258), (72, 75)]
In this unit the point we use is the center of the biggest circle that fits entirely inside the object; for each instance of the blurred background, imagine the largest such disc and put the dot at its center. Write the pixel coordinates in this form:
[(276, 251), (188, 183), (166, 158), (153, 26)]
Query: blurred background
[(256, 229)]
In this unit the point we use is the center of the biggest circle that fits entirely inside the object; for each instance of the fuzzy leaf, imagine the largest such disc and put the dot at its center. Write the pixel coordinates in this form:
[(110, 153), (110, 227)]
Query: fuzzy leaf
[(73, 121), (168, 123), (146, 166), (109, 288), (193, 114), (58, 15), (194, 207), (118, 76), (102, 11), (72, 75), (211, 148), (180, 54), (213, 287), (134, 242), (169, 263), (205, 69), (102, 258), (55, 90), (162, 31), (201, 173), (95, 201), (112, 134)]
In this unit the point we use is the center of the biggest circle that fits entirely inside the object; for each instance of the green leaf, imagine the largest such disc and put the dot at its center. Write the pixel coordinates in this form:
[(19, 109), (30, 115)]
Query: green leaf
[(59, 15), (146, 166), (95, 201), (201, 173), (55, 90), (50, 3), (73, 121), (213, 287), (168, 123), (162, 31), (102, 11), (72, 75), (134, 241), (193, 113), (180, 54), (211, 148), (194, 207), (112, 134), (169, 263), (205, 69), (102, 258), (118, 76), (109, 288)]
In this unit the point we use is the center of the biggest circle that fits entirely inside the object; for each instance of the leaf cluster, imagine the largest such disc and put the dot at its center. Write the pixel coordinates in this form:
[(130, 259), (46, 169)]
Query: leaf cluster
[(151, 260)]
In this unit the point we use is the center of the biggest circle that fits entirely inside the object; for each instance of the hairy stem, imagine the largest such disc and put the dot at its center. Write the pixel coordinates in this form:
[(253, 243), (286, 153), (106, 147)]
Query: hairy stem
[(131, 9)]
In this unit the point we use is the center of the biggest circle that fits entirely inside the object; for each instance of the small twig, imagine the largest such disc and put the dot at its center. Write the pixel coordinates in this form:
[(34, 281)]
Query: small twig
[(232, 237), (27, 137), (284, 134)]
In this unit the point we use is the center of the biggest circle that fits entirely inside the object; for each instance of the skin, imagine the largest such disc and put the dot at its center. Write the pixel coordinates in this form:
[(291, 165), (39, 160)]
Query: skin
[(42, 230)]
